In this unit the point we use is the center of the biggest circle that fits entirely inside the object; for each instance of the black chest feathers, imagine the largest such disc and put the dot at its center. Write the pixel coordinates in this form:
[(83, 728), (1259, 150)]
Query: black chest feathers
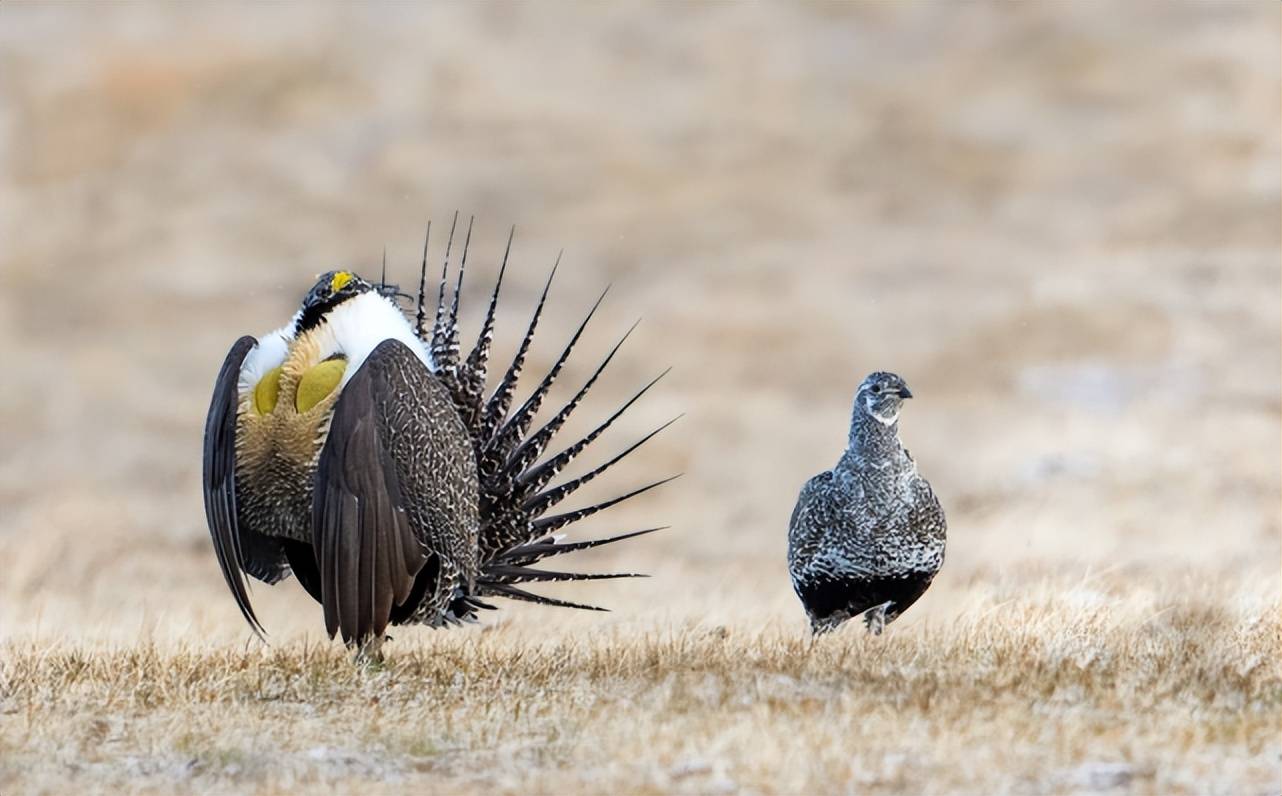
[(834, 599)]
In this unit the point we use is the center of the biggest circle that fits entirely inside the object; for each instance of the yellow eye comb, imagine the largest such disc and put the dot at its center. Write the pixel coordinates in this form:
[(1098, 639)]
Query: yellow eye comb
[(339, 281)]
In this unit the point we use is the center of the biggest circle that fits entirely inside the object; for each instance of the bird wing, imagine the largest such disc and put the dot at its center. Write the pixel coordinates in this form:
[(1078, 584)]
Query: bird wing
[(927, 515), (395, 485), (824, 536), (239, 550), (805, 527)]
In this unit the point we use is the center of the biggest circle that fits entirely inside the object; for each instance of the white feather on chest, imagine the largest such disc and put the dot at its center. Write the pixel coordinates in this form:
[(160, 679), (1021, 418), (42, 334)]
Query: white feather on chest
[(353, 329), (357, 326)]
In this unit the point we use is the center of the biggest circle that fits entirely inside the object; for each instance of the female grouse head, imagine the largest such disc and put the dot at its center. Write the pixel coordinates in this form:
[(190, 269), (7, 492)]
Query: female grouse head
[(880, 397)]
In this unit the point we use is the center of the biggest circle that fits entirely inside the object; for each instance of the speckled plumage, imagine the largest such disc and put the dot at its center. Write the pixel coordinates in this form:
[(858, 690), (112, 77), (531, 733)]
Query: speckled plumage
[(866, 537), (404, 496), (394, 517), (515, 479)]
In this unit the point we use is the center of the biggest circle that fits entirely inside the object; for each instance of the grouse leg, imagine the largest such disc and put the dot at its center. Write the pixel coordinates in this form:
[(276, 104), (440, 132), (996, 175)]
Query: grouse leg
[(875, 618), (370, 652)]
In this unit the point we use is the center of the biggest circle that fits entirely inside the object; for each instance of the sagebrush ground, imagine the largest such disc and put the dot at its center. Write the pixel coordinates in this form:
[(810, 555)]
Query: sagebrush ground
[(1060, 222)]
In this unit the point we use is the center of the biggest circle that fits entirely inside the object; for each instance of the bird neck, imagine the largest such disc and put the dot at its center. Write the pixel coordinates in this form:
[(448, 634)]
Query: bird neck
[(357, 326), (873, 444)]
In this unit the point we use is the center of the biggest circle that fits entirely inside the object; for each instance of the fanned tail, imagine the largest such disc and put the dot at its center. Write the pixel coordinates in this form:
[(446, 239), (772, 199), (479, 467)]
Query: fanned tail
[(515, 484)]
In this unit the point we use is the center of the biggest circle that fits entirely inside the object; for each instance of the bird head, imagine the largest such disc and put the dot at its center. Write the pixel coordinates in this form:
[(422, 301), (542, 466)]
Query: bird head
[(881, 395), (331, 289)]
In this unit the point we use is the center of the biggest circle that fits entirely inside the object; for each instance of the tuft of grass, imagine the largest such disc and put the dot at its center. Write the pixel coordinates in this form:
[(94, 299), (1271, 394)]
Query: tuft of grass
[(1037, 693)]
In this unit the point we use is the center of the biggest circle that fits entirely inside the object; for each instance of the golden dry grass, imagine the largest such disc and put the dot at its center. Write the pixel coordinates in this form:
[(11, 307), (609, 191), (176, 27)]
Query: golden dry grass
[(1068, 689), (1059, 221)]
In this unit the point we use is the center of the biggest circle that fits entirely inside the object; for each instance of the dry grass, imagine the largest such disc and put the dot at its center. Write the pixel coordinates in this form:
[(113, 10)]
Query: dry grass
[(1067, 689)]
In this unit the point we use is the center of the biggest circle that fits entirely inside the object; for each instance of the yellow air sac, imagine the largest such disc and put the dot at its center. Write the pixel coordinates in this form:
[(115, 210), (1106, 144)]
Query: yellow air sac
[(267, 391), (319, 382)]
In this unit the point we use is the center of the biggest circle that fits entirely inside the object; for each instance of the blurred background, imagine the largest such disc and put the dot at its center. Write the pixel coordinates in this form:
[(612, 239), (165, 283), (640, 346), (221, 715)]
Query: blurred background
[(1060, 222)]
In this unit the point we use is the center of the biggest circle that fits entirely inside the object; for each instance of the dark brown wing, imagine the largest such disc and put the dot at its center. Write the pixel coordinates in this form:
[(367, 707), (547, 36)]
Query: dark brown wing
[(238, 549), (395, 485)]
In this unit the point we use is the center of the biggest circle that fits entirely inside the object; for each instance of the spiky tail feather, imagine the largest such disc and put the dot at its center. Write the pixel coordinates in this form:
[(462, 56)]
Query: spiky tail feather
[(515, 494)]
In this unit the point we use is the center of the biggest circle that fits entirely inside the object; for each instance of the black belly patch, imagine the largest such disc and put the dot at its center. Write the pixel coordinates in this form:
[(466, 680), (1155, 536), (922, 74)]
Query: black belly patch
[(826, 596)]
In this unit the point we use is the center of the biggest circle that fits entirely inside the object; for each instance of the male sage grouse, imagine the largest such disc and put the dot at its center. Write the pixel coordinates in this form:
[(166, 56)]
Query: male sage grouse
[(866, 537), (357, 449)]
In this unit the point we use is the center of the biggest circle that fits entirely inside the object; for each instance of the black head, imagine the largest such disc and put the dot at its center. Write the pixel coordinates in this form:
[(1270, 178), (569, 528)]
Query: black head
[(881, 395), (330, 290)]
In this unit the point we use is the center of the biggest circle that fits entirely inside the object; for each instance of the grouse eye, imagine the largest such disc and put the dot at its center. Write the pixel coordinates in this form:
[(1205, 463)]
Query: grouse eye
[(876, 389)]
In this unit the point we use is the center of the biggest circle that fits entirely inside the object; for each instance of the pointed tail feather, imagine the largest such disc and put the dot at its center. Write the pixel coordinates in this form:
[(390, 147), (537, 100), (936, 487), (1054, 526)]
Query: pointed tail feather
[(514, 495), (509, 436), (445, 334), (450, 354), (546, 500), (439, 331), (477, 363), (513, 593), (529, 502), (558, 521), (497, 407), (549, 546), (538, 476), (515, 574), (420, 312), (532, 448)]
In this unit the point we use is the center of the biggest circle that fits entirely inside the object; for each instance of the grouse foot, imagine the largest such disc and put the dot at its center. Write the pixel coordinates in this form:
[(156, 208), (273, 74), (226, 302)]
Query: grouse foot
[(370, 653), (875, 618)]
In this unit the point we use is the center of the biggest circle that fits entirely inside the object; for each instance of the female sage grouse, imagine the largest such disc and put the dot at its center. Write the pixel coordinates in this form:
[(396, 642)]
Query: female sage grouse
[(358, 451), (866, 537)]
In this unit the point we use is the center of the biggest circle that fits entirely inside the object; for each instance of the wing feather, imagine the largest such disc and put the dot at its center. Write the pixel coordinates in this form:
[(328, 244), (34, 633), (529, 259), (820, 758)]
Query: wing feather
[(395, 485), (239, 550)]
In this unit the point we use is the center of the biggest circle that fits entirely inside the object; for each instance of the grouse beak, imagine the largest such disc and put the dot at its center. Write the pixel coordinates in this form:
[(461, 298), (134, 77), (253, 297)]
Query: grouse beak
[(904, 392)]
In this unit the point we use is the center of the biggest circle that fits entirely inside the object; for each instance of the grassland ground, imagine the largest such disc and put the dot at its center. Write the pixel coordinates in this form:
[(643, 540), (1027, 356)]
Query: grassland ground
[(1060, 689)]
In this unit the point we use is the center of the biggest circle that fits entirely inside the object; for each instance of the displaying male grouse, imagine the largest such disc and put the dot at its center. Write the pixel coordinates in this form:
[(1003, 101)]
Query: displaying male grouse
[(867, 536), (360, 451)]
